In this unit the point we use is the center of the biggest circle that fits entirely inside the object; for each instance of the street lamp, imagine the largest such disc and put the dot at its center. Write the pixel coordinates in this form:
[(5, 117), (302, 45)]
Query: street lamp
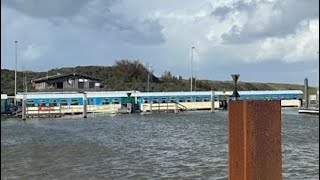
[(15, 74), (191, 66), (149, 73), (317, 94)]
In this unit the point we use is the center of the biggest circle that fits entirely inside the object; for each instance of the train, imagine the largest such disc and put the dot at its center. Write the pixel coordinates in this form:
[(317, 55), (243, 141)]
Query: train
[(112, 101)]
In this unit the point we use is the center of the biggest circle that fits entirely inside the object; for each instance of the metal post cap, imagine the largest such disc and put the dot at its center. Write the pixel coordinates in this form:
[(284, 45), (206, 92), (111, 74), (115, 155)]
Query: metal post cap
[(235, 77)]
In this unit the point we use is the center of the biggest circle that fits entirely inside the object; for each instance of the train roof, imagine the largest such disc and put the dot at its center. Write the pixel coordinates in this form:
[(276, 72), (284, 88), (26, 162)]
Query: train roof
[(278, 92), (91, 94), (182, 93), (72, 94)]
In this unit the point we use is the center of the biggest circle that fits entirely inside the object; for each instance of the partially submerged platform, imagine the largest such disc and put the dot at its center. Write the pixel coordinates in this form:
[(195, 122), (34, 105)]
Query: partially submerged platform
[(312, 111)]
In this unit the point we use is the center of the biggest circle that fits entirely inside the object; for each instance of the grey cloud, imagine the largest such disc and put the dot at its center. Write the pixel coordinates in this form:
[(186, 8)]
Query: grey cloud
[(221, 12), (284, 17), (146, 32), (43, 8), (95, 14)]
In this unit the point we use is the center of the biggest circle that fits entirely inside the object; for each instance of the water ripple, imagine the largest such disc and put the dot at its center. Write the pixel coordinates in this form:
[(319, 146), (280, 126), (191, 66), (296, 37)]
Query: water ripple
[(167, 146)]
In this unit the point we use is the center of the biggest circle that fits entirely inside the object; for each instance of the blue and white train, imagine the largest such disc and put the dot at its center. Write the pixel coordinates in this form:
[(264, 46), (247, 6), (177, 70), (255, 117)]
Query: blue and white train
[(72, 102)]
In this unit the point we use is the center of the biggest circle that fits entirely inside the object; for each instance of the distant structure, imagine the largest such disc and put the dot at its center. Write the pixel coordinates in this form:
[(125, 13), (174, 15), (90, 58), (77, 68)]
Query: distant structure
[(61, 82)]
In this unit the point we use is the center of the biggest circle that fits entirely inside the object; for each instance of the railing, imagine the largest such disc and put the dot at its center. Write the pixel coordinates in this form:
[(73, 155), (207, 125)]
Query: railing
[(44, 111)]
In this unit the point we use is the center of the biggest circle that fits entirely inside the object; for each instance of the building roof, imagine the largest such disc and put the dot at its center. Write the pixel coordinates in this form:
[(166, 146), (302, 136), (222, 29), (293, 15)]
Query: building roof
[(58, 76)]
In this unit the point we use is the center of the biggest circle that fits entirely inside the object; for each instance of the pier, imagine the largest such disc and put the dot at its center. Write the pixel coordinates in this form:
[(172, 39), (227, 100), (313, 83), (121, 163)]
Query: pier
[(307, 108)]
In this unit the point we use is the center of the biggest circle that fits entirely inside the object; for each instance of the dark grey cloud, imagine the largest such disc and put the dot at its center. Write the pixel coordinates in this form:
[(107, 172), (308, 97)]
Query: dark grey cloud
[(267, 19), (45, 8), (221, 12), (147, 32), (95, 14)]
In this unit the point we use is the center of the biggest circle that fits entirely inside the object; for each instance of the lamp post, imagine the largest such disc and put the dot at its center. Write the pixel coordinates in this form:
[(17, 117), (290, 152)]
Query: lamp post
[(191, 67), (149, 73), (15, 74), (317, 93)]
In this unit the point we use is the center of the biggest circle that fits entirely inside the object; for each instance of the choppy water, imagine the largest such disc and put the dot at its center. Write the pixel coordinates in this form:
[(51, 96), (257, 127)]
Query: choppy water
[(167, 146)]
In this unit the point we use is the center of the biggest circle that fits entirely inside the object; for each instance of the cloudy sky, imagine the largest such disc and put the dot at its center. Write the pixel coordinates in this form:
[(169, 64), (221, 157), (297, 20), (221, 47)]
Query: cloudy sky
[(262, 40)]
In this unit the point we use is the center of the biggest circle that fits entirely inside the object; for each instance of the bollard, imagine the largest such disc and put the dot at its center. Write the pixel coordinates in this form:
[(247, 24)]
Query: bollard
[(255, 140), (85, 105)]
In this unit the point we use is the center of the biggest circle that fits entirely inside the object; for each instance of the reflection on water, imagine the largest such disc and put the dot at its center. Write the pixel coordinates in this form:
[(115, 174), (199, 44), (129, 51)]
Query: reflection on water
[(191, 145)]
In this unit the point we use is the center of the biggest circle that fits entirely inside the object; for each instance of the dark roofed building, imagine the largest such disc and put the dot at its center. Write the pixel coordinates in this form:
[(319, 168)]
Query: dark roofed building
[(66, 82)]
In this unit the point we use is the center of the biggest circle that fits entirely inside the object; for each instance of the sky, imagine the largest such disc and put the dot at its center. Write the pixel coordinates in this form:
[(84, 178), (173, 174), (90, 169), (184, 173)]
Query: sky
[(262, 40)]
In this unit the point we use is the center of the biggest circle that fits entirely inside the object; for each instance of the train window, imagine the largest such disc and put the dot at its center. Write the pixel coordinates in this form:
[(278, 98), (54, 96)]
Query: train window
[(189, 99), (105, 101), (181, 99), (288, 97), (115, 101), (164, 100), (198, 99), (145, 100), (30, 103), (282, 97), (90, 101), (42, 103), (155, 100), (173, 99), (63, 102), (275, 97), (206, 99), (74, 102), (215, 98), (53, 102)]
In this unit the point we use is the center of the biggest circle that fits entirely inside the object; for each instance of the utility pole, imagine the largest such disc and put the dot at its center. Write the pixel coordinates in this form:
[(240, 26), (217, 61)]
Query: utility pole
[(15, 74), (191, 67)]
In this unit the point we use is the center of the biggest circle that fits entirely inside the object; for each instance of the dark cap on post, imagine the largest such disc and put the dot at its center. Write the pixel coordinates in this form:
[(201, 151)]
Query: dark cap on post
[(235, 78)]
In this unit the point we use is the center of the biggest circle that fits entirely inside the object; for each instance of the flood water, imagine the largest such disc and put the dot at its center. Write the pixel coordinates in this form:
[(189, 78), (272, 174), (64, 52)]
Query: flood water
[(190, 145)]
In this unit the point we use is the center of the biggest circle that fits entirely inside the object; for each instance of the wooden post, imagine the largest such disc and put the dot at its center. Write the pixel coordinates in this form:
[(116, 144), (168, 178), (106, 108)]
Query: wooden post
[(60, 110), (175, 108), (84, 105), (254, 140), (212, 101), (24, 110), (150, 107)]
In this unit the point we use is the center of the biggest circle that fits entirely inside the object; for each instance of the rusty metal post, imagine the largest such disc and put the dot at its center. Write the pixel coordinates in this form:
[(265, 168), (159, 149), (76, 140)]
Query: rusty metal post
[(254, 140)]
